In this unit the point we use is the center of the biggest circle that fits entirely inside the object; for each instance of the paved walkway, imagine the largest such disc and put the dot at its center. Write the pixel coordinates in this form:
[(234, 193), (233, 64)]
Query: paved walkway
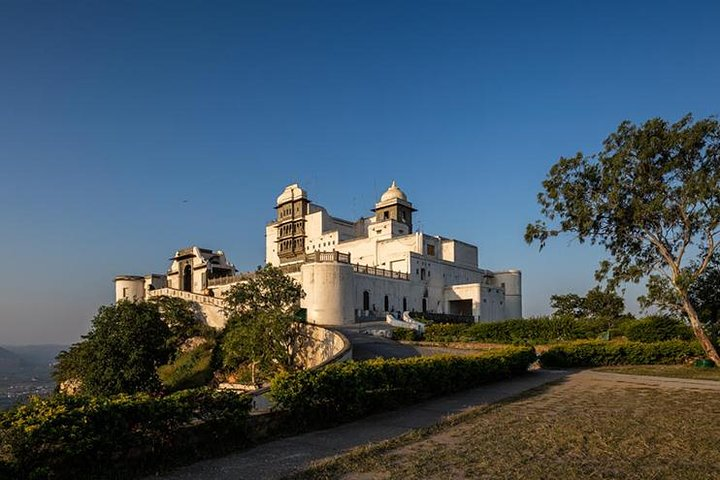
[(366, 346), (278, 458)]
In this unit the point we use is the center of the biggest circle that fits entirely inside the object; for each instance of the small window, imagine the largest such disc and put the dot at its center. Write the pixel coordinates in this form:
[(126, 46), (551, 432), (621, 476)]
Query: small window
[(386, 215), (422, 274), (430, 250)]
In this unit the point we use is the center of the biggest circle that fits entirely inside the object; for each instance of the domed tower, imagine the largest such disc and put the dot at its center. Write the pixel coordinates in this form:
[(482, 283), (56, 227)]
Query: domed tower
[(291, 206), (394, 205)]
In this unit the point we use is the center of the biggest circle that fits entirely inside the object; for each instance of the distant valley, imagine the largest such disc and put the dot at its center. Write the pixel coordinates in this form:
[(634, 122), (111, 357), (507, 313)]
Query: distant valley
[(26, 370)]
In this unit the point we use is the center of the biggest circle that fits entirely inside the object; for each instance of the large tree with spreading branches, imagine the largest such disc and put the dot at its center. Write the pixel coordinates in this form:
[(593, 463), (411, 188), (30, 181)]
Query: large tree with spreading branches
[(651, 198)]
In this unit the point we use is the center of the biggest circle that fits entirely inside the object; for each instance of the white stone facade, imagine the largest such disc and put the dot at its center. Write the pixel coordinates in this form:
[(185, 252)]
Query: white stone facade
[(363, 269), (351, 271)]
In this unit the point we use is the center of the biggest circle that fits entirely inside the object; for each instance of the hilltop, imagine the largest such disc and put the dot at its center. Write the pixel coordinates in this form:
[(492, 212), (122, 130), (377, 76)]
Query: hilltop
[(9, 361), (35, 354)]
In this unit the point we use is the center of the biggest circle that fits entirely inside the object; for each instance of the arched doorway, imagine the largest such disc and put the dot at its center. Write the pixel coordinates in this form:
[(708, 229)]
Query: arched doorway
[(424, 305), (387, 304), (366, 300), (187, 278), (404, 304)]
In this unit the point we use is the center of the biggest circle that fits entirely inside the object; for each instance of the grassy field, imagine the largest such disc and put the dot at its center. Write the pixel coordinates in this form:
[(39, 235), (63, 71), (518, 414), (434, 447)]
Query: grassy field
[(585, 427), (673, 371)]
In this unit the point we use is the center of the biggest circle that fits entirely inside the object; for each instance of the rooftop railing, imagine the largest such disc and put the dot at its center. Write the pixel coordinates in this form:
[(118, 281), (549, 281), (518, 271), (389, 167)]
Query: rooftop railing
[(380, 272), (340, 257), (229, 279)]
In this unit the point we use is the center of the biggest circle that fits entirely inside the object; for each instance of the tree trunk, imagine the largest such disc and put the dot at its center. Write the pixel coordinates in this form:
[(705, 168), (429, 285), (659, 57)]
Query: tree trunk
[(699, 331)]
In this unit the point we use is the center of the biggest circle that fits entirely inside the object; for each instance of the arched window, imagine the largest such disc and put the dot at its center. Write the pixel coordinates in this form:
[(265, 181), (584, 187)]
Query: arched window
[(366, 300), (387, 304), (187, 278)]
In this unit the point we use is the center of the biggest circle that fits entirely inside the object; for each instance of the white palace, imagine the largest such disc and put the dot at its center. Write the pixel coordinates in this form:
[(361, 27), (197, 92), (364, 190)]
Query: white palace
[(350, 271)]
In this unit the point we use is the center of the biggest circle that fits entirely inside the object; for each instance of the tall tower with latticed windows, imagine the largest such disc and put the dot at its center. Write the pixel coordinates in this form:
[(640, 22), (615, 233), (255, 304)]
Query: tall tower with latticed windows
[(291, 207)]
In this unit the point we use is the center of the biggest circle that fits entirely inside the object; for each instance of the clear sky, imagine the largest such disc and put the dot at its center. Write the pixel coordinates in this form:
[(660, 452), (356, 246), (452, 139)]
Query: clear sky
[(129, 130)]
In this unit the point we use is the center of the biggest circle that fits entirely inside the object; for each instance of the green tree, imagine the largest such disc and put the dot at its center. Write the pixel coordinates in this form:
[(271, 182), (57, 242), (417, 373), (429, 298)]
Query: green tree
[(704, 296), (596, 303), (181, 317), (262, 328), (604, 303), (568, 305), (651, 198), (126, 343)]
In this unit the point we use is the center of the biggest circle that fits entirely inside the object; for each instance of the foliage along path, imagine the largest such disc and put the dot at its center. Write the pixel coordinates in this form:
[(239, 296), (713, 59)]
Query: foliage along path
[(281, 457)]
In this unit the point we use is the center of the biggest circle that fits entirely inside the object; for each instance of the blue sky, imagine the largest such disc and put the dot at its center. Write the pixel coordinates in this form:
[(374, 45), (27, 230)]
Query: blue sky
[(131, 129)]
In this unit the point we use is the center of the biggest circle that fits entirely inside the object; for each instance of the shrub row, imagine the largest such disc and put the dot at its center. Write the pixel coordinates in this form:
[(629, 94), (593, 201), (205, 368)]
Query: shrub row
[(66, 437), (344, 391), (596, 353), (554, 329), (539, 330), (657, 329), (406, 334)]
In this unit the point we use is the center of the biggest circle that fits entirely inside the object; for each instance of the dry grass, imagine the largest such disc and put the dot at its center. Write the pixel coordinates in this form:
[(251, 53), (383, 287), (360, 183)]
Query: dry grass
[(673, 371), (586, 427)]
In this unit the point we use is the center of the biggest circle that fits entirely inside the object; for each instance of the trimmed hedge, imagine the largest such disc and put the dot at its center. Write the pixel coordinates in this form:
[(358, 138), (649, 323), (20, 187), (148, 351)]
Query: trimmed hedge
[(406, 334), (597, 354), (531, 330), (66, 437), (553, 329), (658, 329), (446, 332), (343, 391)]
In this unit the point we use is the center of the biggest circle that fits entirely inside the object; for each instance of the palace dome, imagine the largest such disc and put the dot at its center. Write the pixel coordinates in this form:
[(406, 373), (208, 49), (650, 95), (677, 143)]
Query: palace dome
[(393, 193)]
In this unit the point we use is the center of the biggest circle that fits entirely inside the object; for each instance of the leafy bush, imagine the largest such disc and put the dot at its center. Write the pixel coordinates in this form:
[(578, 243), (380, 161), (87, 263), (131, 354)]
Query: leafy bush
[(66, 437), (190, 369), (446, 332), (554, 329), (657, 329), (344, 391), (405, 334), (532, 330), (596, 354)]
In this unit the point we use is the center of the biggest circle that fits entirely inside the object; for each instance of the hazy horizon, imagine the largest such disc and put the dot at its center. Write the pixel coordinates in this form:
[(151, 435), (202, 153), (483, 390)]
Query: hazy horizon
[(130, 130)]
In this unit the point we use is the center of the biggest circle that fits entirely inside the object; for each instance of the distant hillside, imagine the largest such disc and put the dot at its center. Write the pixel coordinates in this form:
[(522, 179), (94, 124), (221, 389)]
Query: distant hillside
[(25, 371), (10, 362), (36, 354)]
